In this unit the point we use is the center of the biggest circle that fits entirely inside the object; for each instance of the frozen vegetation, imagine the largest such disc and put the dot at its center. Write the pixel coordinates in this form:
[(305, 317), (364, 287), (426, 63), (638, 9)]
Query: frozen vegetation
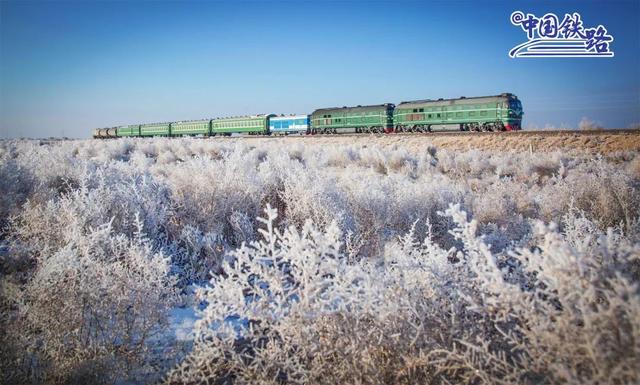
[(316, 264)]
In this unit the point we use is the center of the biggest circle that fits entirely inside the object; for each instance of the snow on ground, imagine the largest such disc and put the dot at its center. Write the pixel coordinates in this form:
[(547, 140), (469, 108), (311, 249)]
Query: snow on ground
[(181, 322)]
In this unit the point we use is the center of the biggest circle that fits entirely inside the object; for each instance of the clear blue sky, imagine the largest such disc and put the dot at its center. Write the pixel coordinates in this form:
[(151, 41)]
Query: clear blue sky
[(67, 67)]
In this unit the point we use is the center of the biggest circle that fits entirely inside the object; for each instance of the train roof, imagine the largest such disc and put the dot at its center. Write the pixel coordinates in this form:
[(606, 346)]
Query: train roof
[(462, 99), (288, 117), (192, 121), (373, 107), (154, 124), (261, 116)]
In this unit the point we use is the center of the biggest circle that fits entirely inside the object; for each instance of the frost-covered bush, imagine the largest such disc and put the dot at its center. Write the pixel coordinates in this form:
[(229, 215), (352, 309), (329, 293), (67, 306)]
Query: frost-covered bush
[(103, 195), (556, 311), (15, 187), (86, 283), (91, 311)]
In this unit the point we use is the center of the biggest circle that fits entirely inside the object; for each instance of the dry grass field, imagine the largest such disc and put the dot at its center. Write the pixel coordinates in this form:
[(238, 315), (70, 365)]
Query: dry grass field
[(596, 141)]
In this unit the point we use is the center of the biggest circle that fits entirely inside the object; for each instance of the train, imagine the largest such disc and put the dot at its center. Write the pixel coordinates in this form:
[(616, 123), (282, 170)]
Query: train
[(481, 113)]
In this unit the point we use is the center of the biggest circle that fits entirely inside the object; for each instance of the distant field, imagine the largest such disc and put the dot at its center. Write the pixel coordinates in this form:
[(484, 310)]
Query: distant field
[(536, 141)]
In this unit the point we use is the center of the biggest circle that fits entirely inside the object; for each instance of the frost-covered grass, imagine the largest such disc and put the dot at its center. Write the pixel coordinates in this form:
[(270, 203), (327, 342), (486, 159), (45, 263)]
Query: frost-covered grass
[(370, 265)]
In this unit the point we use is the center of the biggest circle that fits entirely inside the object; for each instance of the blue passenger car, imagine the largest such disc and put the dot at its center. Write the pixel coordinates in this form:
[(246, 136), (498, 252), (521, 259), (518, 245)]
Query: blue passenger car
[(292, 124)]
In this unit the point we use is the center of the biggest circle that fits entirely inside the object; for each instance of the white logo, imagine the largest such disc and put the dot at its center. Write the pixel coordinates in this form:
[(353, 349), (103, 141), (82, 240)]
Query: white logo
[(550, 37)]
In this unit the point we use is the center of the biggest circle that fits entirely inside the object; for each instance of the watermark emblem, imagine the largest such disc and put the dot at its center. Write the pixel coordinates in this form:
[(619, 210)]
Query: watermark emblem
[(548, 36)]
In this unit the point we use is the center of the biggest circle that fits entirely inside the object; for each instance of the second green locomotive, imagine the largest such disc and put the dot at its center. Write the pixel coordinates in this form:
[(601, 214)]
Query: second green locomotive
[(374, 119)]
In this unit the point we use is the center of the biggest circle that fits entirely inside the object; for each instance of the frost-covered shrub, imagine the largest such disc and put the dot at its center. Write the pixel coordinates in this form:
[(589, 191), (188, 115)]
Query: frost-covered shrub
[(91, 310), (294, 308), (282, 291), (16, 184), (207, 192), (104, 194), (86, 285)]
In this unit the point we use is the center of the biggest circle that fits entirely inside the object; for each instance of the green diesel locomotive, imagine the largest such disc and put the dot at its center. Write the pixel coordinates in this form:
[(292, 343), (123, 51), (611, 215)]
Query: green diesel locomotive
[(485, 113), (377, 118)]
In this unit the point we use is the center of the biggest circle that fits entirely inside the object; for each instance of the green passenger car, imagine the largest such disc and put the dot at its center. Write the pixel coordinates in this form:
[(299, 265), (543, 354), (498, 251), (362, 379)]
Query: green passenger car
[(256, 124), (486, 113), (192, 127), (130, 130), (155, 129), (375, 118)]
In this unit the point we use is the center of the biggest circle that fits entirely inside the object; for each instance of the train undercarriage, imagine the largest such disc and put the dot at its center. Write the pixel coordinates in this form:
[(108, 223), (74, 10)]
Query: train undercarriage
[(475, 126)]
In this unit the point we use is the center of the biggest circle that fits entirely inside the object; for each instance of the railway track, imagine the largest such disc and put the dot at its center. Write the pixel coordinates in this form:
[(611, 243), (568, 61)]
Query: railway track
[(569, 141), (545, 133)]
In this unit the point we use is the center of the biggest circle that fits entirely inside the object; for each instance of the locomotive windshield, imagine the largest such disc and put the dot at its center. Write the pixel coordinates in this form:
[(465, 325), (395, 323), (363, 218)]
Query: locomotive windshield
[(515, 108)]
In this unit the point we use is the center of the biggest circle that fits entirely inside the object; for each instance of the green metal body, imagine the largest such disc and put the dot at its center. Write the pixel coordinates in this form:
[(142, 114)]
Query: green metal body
[(258, 124), (130, 130), (468, 113), (155, 129), (360, 118), (192, 127)]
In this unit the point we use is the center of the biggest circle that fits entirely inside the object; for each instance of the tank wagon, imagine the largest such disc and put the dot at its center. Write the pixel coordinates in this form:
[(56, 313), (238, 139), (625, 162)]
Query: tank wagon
[(104, 133), (485, 113)]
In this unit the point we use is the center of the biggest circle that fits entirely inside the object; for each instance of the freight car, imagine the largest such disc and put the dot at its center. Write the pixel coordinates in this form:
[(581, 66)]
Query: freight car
[(485, 113)]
